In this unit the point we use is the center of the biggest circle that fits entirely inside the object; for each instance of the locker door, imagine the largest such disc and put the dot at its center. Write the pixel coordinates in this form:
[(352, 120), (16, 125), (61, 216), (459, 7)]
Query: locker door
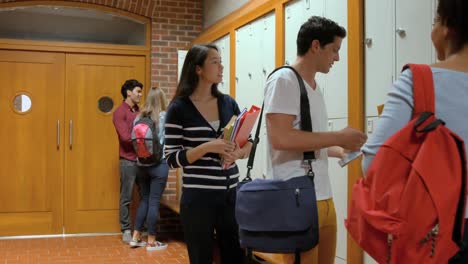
[(249, 90), (242, 39), (413, 33), (242, 76), (313, 8), (339, 182), (379, 52), (267, 45), (248, 66), (268, 64), (294, 18), (336, 82)]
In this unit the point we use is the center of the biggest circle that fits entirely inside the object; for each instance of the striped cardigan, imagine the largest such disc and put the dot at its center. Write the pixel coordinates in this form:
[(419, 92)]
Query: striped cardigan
[(185, 129)]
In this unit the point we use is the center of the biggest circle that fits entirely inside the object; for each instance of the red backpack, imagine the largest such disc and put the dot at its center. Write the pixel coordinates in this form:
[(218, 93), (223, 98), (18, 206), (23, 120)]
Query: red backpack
[(410, 208)]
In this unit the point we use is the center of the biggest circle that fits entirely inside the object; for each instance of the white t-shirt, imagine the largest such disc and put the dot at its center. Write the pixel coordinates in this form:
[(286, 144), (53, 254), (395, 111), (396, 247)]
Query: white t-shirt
[(282, 95)]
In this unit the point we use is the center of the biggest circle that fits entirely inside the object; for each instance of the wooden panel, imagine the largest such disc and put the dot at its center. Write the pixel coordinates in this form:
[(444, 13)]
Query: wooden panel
[(279, 32), (31, 170), (92, 166), (31, 223), (37, 45), (232, 63), (355, 101)]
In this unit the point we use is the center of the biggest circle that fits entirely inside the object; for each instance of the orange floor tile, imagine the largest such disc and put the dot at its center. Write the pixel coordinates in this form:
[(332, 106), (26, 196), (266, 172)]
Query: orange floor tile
[(95, 249)]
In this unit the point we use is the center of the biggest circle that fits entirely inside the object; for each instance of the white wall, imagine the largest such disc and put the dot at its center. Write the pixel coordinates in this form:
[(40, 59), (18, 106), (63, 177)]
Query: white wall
[(214, 10)]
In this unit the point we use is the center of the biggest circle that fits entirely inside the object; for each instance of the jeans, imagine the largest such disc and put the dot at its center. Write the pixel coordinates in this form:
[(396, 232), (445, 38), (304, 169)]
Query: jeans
[(151, 182), (128, 171)]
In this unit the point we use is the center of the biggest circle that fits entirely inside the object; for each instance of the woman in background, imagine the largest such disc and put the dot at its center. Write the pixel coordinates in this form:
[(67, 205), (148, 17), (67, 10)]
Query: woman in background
[(151, 179)]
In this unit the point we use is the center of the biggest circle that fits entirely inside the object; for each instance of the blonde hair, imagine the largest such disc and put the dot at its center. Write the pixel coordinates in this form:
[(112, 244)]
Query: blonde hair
[(154, 104)]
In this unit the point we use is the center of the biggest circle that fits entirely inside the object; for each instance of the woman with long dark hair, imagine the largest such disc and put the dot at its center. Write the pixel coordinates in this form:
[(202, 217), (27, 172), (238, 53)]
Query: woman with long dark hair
[(195, 121)]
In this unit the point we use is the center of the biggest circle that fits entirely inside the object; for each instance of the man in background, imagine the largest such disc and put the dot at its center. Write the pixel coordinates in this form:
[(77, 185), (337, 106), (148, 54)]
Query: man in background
[(123, 121)]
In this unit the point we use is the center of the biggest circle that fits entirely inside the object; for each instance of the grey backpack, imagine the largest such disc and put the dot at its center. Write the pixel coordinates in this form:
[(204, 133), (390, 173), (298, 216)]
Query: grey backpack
[(146, 142)]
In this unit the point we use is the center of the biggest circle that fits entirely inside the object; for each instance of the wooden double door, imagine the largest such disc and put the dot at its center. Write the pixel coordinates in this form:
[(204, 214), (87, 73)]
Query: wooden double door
[(59, 169)]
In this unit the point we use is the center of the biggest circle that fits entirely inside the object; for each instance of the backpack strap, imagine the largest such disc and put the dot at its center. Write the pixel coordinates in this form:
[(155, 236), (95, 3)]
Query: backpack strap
[(423, 89)]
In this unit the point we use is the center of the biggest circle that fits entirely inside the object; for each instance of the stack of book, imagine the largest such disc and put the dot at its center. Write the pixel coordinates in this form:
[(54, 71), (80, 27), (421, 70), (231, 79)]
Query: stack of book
[(239, 127)]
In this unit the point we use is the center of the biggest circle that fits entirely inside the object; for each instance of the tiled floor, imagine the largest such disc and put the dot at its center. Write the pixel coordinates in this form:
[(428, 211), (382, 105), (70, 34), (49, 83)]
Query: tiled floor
[(95, 249)]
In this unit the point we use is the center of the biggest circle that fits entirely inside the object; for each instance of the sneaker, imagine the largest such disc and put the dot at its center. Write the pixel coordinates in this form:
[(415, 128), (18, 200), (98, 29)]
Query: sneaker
[(127, 236), (137, 243), (156, 246)]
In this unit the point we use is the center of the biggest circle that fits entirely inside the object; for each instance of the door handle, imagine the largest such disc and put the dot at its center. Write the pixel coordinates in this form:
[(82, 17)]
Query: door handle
[(71, 134), (401, 32), (58, 134)]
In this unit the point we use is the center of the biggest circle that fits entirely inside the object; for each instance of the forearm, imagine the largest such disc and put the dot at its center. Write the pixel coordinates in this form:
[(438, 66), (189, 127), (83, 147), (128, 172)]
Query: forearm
[(336, 152), (197, 153), (298, 140), (246, 150)]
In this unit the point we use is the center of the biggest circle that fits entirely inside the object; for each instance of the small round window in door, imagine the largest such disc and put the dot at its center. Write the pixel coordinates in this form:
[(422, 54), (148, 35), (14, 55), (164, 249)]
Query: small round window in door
[(22, 103), (105, 104)]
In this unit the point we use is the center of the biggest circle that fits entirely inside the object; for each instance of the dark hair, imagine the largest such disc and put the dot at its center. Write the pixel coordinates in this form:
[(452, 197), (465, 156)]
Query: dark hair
[(318, 28), (454, 15), (196, 56), (129, 85)]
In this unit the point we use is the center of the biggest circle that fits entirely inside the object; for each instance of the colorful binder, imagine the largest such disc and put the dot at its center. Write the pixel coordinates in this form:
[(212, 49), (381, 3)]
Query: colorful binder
[(246, 124)]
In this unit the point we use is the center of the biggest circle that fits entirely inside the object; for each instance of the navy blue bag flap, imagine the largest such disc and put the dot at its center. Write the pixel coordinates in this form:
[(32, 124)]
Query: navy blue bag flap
[(276, 205)]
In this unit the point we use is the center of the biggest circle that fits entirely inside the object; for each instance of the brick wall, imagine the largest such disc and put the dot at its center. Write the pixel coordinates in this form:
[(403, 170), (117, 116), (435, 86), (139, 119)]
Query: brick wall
[(175, 23)]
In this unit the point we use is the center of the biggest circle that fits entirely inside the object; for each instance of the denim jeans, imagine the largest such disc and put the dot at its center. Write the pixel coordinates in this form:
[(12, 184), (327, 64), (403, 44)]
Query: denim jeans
[(151, 182), (128, 171)]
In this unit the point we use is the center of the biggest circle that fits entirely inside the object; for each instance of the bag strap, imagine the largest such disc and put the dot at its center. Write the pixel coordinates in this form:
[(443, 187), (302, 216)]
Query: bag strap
[(423, 89), (306, 124)]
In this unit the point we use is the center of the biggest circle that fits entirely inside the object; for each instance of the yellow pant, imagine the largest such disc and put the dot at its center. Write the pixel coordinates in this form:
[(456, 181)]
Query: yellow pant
[(324, 252)]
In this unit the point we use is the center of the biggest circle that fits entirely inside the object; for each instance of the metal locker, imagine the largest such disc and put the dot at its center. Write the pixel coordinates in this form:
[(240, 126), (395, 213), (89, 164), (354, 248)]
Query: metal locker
[(379, 53), (335, 83), (294, 18), (339, 183)]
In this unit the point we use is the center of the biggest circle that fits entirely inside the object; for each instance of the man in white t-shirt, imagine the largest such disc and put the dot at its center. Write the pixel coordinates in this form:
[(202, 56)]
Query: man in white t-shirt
[(318, 44)]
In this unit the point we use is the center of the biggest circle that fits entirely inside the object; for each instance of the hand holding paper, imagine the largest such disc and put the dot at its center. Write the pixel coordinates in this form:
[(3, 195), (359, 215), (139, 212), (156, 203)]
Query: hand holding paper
[(349, 157)]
